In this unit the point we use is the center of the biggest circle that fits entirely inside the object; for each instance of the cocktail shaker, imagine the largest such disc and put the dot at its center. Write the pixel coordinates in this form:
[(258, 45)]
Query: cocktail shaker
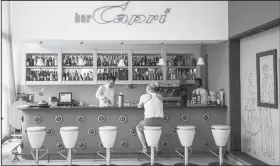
[(121, 100)]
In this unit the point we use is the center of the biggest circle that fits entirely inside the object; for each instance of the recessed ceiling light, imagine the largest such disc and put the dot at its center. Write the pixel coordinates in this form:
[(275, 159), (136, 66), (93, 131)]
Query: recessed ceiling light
[(81, 42), (121, 42), (40, 42), (160, 42), (200, 42)]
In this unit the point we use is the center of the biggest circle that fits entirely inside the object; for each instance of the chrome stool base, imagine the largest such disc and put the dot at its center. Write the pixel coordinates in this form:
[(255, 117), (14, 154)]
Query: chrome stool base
[(217, 163), (179, 164), (149, 164)]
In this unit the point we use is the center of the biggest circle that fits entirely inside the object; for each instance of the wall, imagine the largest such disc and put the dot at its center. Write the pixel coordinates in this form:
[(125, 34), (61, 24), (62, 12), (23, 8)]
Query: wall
[(245, 15), (56, 20), (218, 72), (259, 126)]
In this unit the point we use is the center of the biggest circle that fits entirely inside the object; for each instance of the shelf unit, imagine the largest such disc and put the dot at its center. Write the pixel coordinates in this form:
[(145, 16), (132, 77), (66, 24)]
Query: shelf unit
[(95, 68)]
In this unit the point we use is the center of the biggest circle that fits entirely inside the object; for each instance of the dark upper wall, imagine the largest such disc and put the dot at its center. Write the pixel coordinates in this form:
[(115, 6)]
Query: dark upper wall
[(245, 15)]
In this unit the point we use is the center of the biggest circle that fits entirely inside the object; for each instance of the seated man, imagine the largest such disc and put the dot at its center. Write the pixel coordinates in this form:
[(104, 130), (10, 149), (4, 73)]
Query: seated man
[(153, 115)]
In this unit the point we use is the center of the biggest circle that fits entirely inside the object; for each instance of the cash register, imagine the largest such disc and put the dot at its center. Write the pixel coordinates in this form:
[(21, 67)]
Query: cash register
[(65, 99)]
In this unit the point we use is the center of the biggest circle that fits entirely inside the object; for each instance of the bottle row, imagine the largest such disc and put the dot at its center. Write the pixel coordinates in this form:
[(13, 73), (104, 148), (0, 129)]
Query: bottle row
[(41, 60), (85, 60), (41, 75), (144, 74), (181, 60), (145, 60), (111, 60), (181, 74), (77, 75), (120, 74)]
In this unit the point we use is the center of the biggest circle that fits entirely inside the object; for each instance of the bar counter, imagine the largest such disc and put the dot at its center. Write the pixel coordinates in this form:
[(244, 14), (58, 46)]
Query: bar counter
[(88, 119)]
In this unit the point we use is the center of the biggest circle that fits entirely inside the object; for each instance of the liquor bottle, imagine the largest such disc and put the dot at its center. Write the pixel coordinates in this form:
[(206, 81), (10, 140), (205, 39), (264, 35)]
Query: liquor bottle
[(67, 76), (48, 76), (208, 100), (194, 62), (88, 78), (194, 98), (105, 76), (51, 76), (104, 62), (84, 77), (45, 61), (98, 61), (182, 61), (27, 61), (157, 60), (198, 98), (50, 61), (126, 61)]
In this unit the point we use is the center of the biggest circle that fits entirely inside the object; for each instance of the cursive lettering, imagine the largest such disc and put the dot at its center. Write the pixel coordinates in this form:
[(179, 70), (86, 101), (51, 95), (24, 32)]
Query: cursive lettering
[(99, 16)]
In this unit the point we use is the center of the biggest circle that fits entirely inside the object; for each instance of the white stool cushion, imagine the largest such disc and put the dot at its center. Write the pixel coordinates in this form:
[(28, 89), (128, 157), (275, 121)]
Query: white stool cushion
[(152, 135), (69, 135), (36, 136), (108, 135), (221, 127), (152, 127), (186, 135), (220, 134), (69, 128), (186, 127), (108, 128)]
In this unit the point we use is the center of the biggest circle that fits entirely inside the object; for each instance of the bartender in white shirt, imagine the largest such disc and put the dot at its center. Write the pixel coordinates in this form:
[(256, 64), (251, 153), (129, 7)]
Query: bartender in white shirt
[(153, 115), (107, 94), (203, 92)]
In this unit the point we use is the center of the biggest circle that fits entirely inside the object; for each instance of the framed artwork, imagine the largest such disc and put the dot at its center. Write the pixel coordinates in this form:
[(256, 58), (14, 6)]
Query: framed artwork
[(267, 90)]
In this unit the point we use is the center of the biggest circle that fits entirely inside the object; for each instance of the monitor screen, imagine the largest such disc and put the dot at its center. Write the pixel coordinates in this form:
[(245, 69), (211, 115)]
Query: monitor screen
[(65, 97)]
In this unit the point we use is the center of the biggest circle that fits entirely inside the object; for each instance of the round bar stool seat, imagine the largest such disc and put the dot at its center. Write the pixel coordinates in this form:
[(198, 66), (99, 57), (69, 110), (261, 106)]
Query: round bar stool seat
[(152, 135), (69, 135), (186, 135), (36, 136), (108, 136), (221, 134)]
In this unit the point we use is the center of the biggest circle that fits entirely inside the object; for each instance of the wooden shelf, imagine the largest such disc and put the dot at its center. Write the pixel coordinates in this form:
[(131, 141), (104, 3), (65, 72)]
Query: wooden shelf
[(77, 67), (78, 82), (111, 67), (41, 67), (181, 67), (42, 83), (146, 81), (179, 81), (118, 82), (143, 67)]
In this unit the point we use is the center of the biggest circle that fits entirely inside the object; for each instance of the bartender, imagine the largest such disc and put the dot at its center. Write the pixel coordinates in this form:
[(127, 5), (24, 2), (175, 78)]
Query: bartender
[(203, 92), (106, 94), (153, 115)]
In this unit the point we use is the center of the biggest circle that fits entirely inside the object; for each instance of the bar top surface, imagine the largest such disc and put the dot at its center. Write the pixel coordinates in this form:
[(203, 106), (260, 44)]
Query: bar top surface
[(119, 108)]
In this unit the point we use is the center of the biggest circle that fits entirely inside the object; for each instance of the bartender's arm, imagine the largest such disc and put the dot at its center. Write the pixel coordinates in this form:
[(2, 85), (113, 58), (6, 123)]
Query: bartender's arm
[(99, 94)]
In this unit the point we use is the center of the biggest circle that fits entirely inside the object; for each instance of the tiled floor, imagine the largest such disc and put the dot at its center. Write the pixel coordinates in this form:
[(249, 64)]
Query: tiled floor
[(7, 158)]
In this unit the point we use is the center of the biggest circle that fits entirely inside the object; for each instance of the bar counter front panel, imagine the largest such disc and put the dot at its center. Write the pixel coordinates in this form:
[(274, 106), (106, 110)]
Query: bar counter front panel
[(88, 120)]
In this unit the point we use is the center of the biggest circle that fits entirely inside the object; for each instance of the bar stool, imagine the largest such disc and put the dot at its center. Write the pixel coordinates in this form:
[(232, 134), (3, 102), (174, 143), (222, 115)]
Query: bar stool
[(186, 136), (36, 136), (221, 135), (152, 135), (108, 136), (69, 135)]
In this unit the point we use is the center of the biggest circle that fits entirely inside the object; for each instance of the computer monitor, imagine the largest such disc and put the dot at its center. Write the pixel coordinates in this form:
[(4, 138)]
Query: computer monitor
[(65, 97)]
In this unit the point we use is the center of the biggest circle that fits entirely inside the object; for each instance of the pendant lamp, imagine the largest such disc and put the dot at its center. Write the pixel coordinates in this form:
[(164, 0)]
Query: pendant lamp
[(161, 60), (200, 61), (40, 62), (121, 62)]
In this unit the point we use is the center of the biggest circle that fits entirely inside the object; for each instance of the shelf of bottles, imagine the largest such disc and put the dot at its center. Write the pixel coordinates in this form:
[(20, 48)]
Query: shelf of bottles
[(77, 68), (41, 69), (145, 69), (181, 67), (107, 65)]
